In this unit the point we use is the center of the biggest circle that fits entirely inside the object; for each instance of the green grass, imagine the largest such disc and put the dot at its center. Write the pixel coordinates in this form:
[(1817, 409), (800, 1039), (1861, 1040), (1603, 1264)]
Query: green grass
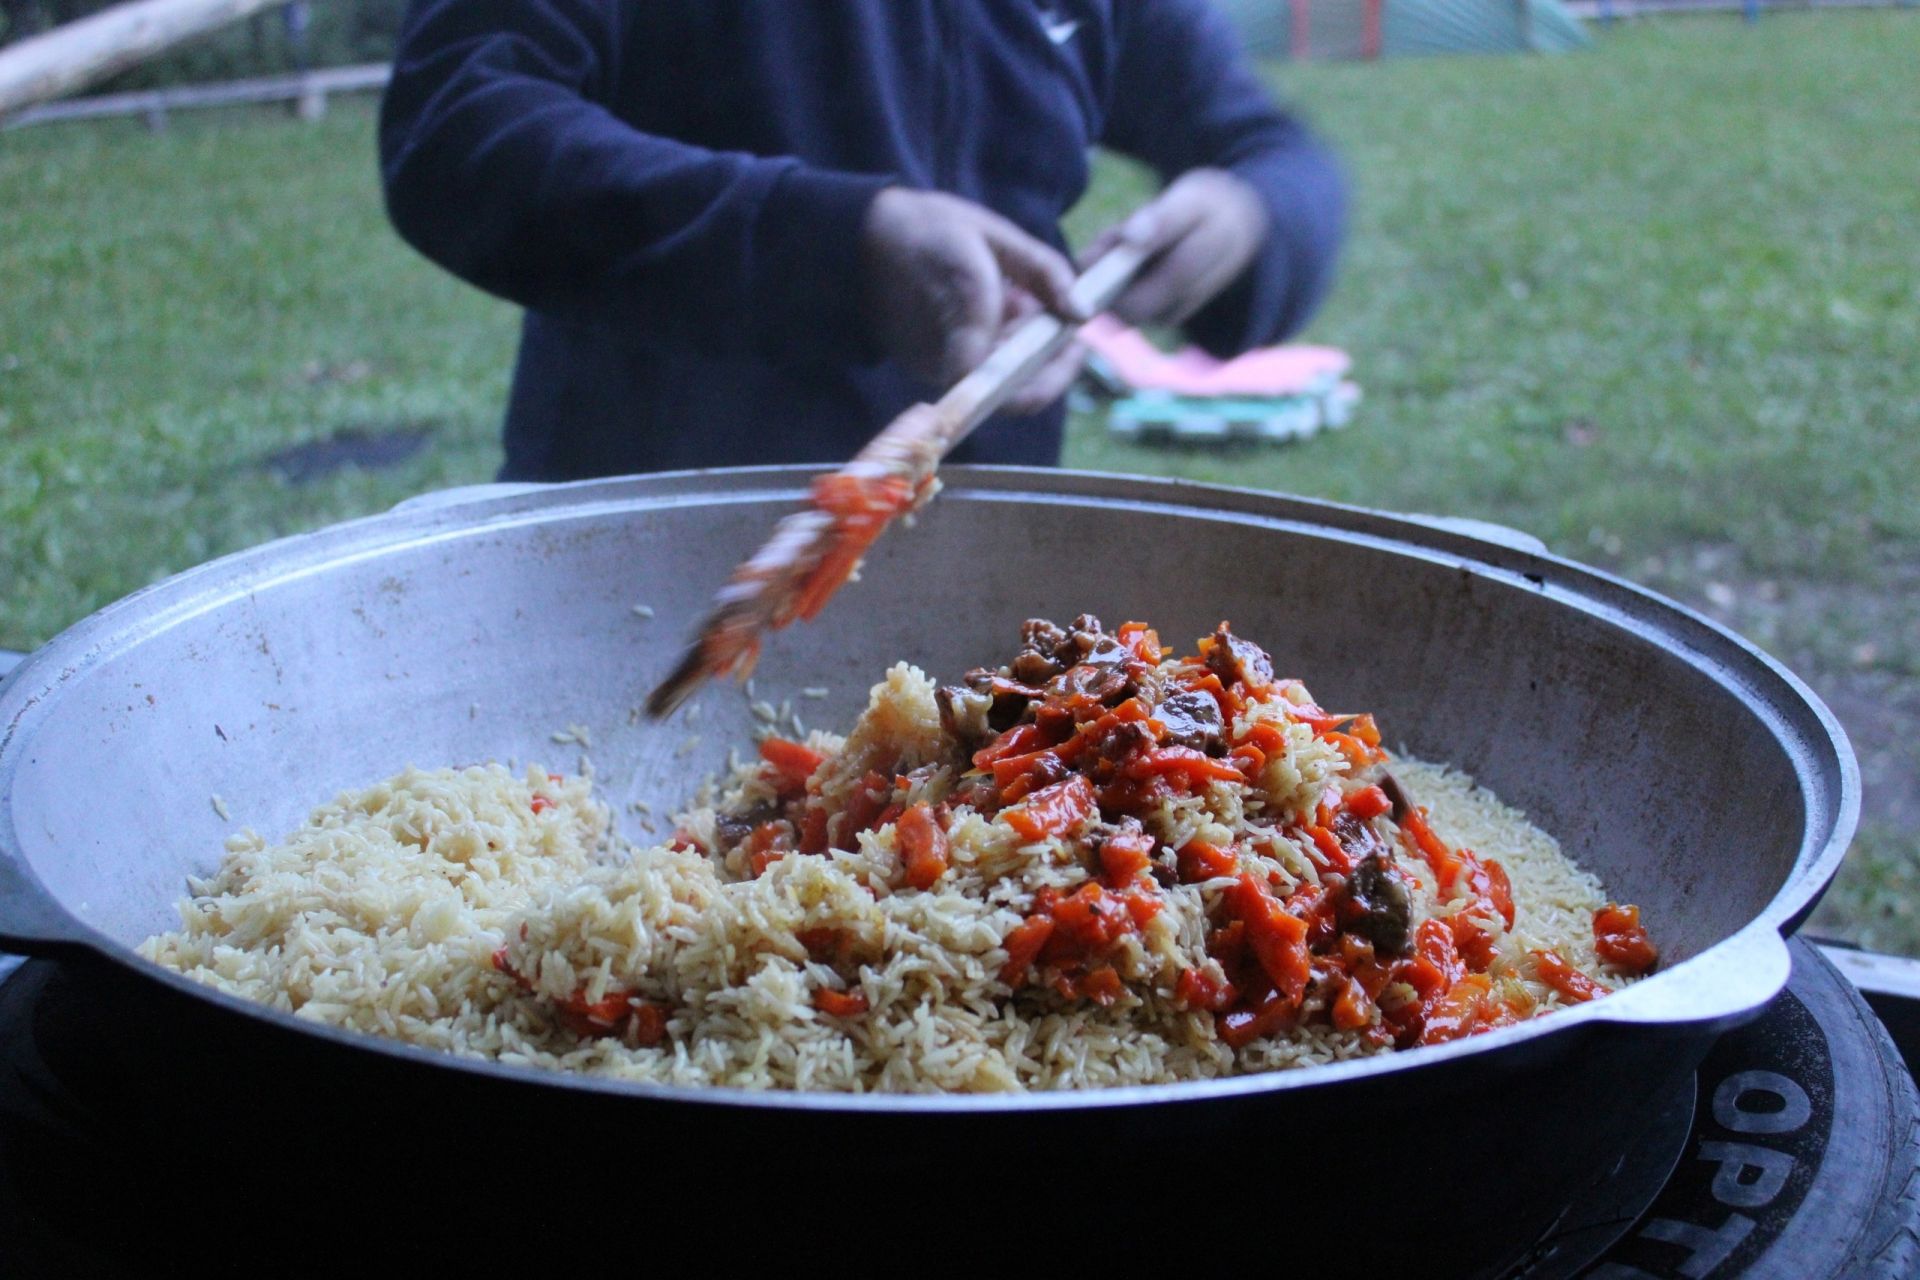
[(1656, 303)]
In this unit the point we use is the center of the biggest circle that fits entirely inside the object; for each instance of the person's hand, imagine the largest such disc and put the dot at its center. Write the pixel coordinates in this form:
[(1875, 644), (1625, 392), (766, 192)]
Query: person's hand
[(945, 278), (1199, 235)]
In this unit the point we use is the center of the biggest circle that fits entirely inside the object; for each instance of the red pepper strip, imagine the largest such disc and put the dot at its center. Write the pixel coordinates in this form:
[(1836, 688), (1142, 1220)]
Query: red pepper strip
[(1366, 730), (861, 509), (1462, 1010), (923, 846), (1352, 1008), (540, 804), (764, 847), (1500, 891), (1368, 803), (1331, 851), (825, 944), (644, 1022), (1622, 940), (1445, 863), (1101, 984), (1474, 943), (1359, 755), (1314, 718), (792, 763), (1085, 922), (1433, 943), (1278, 940), (1008, 769), (1242, 1027), (1200, 861), (1269, 738), (1195, 766), (1054, 810), (813, 829), (1022, 739), (1142, 907), (1564, 978), (1249, 760), (1143, 640), (840, 1004), (1125, 856), (1196, 990), (1023, 943)]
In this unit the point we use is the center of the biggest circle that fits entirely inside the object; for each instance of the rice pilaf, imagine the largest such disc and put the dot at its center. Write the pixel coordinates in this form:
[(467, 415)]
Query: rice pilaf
[(1097, 865)]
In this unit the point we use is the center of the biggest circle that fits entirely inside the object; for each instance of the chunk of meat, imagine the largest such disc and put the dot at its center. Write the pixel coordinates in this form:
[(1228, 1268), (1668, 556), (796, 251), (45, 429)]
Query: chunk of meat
[(1042, 636), (732, 829), (1357, 840), (1396, 796), (963, 714), (1192, 719), (1381, 904), (1239, 661)]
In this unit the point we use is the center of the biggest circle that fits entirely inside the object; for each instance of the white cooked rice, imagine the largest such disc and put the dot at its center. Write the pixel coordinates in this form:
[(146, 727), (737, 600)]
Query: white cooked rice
[(384, 912)]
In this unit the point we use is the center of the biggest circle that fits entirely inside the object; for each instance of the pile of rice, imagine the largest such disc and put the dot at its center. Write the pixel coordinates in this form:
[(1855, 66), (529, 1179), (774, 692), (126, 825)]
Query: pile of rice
[(459, 909)]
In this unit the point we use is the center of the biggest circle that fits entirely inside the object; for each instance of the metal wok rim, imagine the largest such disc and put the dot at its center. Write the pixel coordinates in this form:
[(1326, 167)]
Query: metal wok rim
[(1753, 960)]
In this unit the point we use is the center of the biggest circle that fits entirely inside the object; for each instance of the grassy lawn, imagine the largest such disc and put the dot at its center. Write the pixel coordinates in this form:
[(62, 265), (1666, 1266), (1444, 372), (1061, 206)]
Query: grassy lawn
[(1657, 304)]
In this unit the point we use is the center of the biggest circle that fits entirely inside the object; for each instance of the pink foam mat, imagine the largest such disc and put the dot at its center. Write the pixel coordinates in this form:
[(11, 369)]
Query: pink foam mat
[(1294, 369)]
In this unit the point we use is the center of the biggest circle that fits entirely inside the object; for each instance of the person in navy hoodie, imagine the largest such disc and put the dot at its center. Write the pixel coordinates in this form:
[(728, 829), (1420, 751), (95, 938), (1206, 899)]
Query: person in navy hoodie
[(753, 231)]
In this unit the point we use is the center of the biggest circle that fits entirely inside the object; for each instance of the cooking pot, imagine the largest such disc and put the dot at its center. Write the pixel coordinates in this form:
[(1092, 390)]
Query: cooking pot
[(1694, 775)]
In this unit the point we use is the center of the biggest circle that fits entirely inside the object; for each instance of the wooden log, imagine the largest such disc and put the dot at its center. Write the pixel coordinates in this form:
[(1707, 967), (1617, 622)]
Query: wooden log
[(79, 53)]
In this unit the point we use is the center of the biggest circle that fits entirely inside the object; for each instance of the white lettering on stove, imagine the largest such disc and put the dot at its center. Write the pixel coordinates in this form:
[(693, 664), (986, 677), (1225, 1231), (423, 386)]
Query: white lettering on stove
[(1795, 1108), (1707, 1247), (1732, 1187)]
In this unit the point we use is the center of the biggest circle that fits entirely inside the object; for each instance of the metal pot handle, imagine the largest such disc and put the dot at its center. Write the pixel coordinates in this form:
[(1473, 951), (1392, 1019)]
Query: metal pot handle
[(1714, 991), (31, 922)]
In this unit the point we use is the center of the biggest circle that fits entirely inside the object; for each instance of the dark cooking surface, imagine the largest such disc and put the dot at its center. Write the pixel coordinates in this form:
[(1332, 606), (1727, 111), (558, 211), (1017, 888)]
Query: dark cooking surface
[(1794, 1155)]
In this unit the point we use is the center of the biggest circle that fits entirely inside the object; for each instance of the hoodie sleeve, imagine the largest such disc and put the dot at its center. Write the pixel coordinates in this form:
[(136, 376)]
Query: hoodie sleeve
[(1186, 96), (502, 164)]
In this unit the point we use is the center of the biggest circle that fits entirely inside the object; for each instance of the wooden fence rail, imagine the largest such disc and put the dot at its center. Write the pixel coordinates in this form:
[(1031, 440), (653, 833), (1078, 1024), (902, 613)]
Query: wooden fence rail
[(308, 90)]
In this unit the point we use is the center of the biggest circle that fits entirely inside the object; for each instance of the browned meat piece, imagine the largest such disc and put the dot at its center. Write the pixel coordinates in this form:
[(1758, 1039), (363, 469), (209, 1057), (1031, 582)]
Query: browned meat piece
[(1040, 635), (1395, 796), (963, 714), (1381, 905), (1125, 739), (1234, 659), (1033, 667), (1010, 697), (1356, 837), (977, 791), (731, 828), (1107, 672), (1192, 719), (1039, 658)]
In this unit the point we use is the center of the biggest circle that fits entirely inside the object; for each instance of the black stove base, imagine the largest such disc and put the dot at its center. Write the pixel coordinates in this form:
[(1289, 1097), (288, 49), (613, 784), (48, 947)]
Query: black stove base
[(1794, 1156)]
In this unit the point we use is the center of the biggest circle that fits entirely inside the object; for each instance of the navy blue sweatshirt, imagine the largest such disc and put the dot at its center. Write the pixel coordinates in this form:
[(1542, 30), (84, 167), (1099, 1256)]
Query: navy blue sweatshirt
[(674, 191)]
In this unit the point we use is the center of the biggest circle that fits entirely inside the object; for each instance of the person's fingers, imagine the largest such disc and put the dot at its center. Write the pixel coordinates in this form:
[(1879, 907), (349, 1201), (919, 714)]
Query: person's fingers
[(1040, 269), (1017, 305), (967, 310), (1179, 282), (1048, 383)]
